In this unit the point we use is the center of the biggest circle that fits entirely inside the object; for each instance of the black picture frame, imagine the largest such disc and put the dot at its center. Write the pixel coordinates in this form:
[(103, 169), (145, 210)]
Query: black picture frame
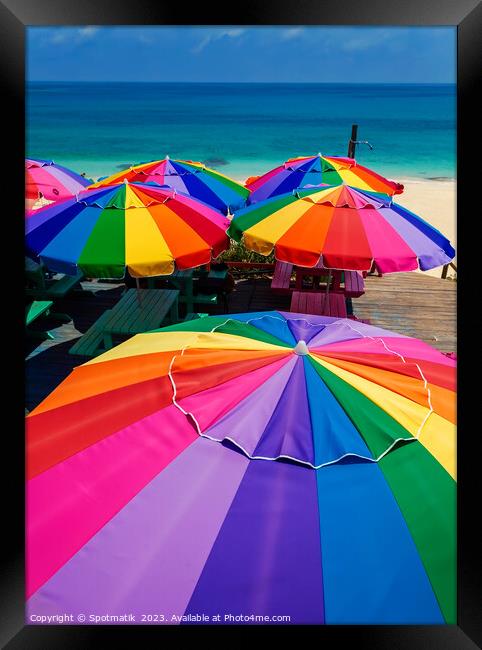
[(15, 15)]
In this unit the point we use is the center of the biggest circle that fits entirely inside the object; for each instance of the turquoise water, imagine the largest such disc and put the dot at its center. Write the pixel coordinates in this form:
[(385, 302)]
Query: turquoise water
[(242, 129)]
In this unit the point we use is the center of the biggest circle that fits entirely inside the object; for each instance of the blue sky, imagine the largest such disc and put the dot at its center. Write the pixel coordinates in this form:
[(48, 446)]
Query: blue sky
[(240, 53)]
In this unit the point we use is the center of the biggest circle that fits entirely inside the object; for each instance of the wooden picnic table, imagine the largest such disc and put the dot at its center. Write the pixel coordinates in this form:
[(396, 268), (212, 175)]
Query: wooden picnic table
[(313, 302), (316, 272), (184, 283), (332, 300), (184, 280), (140, 310), (281, 282), (352, 281), (42, 288)]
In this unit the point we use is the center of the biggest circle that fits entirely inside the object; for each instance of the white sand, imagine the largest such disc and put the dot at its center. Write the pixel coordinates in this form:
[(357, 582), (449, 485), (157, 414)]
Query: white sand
[(434, 201)]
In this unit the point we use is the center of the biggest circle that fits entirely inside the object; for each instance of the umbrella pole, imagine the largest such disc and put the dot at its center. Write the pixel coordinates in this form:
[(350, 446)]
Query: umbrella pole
[(327, 290), (138, 291)]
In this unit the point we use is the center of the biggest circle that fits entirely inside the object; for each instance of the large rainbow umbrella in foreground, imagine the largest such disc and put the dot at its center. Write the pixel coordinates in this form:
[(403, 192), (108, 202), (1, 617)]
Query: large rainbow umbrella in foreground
[(44, 179), (188, 177), (147, 230), (344, 228), (306, 171), (258, 464)]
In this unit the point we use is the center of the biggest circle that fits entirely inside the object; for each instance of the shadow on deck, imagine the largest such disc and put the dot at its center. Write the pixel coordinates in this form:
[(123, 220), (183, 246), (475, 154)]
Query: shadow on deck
[(409, 303)]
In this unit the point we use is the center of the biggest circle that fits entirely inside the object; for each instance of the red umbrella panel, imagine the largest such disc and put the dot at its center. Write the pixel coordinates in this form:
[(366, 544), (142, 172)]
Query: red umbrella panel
[(310, 171), (252, 465)]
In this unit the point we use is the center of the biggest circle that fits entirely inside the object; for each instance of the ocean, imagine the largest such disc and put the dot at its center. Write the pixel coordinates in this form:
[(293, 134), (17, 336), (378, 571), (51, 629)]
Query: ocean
[(242, 129)]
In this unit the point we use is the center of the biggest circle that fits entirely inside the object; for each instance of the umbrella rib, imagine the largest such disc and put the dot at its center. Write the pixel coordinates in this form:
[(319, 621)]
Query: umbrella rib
[(284, 456), (174, 389), (425, 383), (173, 383)]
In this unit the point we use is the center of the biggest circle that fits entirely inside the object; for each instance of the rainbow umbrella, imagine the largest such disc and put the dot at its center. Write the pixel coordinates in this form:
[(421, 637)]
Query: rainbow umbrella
[(47, 181), (262, 464), (188, 177), (345, 228), (148, 230), (306, 171)]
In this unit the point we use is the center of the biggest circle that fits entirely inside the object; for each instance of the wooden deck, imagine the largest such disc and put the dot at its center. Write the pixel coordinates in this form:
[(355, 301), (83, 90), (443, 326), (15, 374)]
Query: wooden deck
[(414, 304), (410, 303)]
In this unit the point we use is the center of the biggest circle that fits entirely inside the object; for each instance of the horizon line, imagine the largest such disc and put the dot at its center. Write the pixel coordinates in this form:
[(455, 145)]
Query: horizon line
[(326, 83)]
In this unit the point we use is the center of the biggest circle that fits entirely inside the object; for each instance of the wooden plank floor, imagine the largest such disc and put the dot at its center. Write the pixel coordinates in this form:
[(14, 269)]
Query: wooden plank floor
[(414, 304), (410, 303)]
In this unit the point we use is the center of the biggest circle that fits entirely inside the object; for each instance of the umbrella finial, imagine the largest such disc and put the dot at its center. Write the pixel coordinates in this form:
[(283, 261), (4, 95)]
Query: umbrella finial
[(125, 181), (167, 157), (301, 348)]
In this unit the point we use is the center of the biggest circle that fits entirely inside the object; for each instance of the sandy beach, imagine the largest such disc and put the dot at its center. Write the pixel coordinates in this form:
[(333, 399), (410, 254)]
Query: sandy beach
[(434, 201)]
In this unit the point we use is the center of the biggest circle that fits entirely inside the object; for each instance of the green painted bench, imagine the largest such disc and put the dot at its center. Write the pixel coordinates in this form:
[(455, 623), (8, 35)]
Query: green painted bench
[(33, 311), (194, 316), (91, 343), (217, 274), (217, 277), (205, 299), (36, 309), (45, 289), (141, 310)]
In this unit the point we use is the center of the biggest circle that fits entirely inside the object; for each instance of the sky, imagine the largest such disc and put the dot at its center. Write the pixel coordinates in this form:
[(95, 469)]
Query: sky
[(242, 54)]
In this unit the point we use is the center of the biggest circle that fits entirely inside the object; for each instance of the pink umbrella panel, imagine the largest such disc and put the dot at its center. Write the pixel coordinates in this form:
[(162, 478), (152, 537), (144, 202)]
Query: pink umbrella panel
[(258, 464), (47, 180), (341, 227)]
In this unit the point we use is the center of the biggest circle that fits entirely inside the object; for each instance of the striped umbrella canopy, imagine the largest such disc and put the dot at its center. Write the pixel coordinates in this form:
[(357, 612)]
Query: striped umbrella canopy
[(145, 229), (307, 171), (188, 177), (344, 228), (46, 180), (257, 464)]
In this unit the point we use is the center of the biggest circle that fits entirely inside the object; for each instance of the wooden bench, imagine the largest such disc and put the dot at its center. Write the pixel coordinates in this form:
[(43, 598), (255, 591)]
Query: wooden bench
[(140, 310), (354, 284), (207, 271), (184, 282), (217, 274), (205, 298), (214, 280), (194, 316), (91, 343), (310, 302), (313, 276), (281, 278), (50, 289), (33, 311)]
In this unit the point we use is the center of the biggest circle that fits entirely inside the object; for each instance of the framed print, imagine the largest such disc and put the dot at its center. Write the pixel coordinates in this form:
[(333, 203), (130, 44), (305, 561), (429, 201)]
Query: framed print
[(243, 322)]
